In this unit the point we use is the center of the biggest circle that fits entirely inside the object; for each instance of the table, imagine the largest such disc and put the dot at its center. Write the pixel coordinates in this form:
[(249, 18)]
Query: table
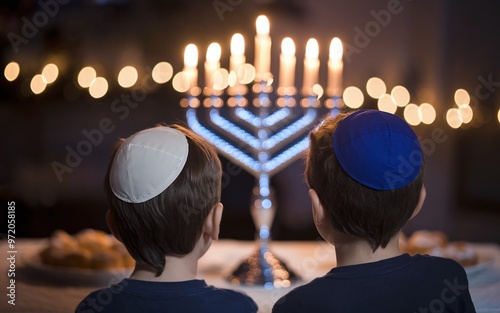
[(36, 293)]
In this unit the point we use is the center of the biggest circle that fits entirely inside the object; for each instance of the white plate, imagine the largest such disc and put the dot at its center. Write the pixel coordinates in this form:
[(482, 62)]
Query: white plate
[(70, 275)]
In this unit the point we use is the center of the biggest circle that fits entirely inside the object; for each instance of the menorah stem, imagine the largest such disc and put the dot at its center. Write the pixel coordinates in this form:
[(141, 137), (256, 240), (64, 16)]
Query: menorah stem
[(265, 204), (263, 210), (263, 268)]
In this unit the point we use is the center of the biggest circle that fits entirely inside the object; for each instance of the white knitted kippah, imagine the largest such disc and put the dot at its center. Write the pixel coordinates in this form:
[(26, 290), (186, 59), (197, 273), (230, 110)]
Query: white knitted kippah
[(147, 163)]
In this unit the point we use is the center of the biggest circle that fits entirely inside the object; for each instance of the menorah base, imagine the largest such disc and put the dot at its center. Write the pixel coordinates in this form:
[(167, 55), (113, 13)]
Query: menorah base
[(263, 269)]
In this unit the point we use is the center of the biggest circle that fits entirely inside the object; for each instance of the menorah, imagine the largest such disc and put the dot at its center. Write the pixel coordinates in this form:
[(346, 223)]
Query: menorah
[(264, 137)]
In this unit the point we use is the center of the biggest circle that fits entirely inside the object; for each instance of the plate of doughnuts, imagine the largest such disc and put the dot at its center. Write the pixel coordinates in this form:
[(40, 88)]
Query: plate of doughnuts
[(88, 257), (436, 243)]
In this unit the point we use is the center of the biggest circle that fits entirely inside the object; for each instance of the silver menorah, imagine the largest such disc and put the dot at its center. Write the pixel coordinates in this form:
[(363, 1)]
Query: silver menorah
[(261, 131)]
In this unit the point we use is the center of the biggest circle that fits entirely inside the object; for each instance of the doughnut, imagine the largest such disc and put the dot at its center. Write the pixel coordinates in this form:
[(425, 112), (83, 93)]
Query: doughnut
[(422, 241), (91, 249)]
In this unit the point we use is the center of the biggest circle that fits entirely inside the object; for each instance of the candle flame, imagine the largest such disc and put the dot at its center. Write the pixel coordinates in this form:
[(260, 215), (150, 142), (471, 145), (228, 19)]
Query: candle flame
[(288, 47), (191, 56), (213, 52), (237, 45), (312, 49), (336, 49), (262, 25)]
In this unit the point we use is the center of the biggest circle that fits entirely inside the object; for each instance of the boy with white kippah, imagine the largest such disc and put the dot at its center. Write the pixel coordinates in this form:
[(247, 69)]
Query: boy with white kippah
[(364, 170), (163, 187)]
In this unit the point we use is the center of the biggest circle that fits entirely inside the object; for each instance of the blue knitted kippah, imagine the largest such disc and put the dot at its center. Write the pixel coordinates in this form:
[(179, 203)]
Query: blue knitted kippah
[(377, 149)]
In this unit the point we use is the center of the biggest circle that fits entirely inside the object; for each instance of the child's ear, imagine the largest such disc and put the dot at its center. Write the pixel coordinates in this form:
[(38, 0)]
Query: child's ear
[(421, 199), (212, 222), (111, 224), (317, 208)]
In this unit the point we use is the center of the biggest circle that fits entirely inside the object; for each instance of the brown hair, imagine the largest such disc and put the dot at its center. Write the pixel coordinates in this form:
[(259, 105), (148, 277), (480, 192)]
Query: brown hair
[(354, 209), (170, 223)]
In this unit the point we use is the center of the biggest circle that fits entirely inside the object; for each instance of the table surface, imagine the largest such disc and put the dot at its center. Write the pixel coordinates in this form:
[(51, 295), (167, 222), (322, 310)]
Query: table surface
[(39, 291)]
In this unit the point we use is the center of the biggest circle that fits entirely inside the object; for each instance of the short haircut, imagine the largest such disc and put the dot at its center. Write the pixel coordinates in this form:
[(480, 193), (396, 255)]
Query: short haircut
[(354, 209), (170, 223)]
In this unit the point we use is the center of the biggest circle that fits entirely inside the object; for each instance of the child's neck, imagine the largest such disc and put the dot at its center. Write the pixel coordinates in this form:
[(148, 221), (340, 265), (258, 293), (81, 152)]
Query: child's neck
[(353, 251), (176, 269)]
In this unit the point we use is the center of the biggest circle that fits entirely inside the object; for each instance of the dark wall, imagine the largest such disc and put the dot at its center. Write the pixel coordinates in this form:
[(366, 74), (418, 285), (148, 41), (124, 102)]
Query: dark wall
[(431, 47)]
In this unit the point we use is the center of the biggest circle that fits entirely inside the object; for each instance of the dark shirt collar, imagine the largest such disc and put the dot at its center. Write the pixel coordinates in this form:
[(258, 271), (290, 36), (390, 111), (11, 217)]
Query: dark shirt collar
[(371, 269), (164, 289)]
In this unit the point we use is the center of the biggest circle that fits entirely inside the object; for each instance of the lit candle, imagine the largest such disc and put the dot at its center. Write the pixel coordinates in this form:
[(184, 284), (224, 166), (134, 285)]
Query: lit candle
[(237, 52), (262, 49), (191, 64), (335, 67), (311, 66), (236, 60), (212, 62), (287, 65)]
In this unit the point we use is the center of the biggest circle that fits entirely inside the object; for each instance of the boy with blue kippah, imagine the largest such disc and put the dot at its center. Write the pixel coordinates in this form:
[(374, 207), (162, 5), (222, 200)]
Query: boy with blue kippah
[(163, 186), (364, 170)]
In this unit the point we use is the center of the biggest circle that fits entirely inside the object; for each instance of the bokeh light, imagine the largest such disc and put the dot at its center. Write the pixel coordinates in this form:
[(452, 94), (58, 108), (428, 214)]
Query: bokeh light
[(181, 82), (38, 84), (86, 76), (353, 97), (400, 95), (162, 72), (427, 113), (99, 87), (127, 77), (454, 118), (246, 73), (462, 97), (220, 79), (411, 114), (50, 72), (387, 104), (12, 71), (375, 87), (318, 90), (466, 113)]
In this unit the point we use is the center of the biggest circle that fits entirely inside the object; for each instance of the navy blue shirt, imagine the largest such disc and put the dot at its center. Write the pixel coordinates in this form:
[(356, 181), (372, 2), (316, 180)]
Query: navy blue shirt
[(144, 296), (402, 284)]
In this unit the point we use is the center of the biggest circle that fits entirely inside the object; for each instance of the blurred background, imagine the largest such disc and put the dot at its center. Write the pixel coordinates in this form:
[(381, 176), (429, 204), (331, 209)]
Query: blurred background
[(432, 48)]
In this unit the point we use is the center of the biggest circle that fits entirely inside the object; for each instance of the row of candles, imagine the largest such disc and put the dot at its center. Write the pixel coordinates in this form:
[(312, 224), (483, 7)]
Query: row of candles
[(262, 62)]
